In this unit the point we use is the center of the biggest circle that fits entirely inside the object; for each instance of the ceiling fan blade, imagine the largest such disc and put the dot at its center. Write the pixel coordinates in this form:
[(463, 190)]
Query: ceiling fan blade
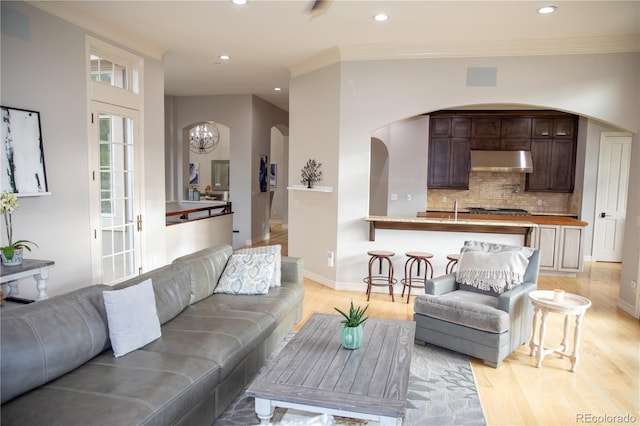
[(319, 7)]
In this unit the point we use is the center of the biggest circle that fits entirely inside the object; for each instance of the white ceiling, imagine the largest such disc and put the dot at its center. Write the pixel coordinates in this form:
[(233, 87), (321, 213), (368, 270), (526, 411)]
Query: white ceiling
[(269, 41)]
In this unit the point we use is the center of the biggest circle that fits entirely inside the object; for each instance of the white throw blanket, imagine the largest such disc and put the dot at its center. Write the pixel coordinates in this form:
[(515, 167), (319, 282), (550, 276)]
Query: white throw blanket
[(497, 271)]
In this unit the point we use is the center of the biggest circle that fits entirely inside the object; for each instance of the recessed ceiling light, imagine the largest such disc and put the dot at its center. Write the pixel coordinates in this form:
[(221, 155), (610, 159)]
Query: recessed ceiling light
[(278, 89), (239, 2), (381, 17), (547, 9), (224, 57)]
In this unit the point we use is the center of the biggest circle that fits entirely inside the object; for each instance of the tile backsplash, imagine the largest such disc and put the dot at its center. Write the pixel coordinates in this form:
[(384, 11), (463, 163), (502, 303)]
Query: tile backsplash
[(500, 190)]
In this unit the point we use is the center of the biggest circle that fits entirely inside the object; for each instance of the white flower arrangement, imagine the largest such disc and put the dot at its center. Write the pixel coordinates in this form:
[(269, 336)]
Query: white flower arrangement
[(8, 205)]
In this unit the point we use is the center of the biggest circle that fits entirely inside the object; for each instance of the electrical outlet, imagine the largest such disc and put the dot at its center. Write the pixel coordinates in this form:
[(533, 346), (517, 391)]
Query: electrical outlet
[(394, 197), (634, 284), (408, 197), (539, 202), (444, 199)]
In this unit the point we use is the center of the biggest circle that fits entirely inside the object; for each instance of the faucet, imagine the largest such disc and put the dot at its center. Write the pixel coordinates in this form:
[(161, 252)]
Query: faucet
[(455, 210)]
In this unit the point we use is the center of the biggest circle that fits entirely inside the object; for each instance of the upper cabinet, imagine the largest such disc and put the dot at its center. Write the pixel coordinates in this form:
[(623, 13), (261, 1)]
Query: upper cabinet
[(550, 136), (449, 152), (553, 152)]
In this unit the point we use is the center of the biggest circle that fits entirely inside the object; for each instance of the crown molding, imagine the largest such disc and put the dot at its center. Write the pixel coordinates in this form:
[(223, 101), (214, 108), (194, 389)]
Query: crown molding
[(66, 11), (565, 46), (315, 62)]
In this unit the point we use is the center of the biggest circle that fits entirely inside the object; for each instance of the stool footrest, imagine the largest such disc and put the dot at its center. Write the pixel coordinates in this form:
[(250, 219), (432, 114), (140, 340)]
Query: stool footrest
[(379, 280)]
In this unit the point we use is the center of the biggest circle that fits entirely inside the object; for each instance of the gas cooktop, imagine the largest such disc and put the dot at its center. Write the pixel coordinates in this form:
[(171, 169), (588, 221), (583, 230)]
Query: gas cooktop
[(506, 211)]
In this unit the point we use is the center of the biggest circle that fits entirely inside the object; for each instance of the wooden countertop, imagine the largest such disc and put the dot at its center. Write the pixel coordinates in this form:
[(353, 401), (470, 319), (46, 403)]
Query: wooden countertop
[(475, 224), (537, 219)]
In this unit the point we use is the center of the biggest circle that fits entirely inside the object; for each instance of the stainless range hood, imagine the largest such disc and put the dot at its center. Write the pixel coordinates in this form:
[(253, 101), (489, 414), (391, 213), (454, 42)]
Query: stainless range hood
[(501, 161)]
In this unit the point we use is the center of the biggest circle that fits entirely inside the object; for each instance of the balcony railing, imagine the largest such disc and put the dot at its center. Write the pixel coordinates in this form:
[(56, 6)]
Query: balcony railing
[(189, 215)]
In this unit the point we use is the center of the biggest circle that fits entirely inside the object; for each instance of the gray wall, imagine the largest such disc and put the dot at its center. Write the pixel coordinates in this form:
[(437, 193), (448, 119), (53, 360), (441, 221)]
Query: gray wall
[(406, 141), (370, 94), (43, 68), (249, 119)]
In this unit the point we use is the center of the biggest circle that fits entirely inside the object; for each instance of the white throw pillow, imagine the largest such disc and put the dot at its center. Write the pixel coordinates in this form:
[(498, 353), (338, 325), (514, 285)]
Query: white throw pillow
[(132, 317), (275, 249), (247, 274)]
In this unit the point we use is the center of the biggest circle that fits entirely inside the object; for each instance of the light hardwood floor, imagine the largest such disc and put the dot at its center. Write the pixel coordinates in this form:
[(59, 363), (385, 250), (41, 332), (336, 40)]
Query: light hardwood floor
[(606, 382)]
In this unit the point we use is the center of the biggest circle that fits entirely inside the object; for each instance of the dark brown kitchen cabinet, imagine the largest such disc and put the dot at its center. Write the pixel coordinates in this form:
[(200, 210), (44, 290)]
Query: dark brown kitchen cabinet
[(550, 136), (485, 144), (504, 144), (517, 127), (499, 133), (554, 163), (449, 152), (448, 163), (554, 127), (516, 134)]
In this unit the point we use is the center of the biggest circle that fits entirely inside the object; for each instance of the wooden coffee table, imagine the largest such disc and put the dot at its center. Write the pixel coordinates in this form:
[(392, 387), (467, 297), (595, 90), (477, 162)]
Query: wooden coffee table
[(313, 372)]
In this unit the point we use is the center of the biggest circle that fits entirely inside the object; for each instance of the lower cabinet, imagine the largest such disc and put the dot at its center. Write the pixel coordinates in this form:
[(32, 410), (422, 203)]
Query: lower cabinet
[(560, 247)]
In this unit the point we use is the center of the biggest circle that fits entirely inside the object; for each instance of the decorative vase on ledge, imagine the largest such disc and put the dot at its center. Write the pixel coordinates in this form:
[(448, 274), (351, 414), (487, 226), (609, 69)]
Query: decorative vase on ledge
[(309, 184), (15, 260)]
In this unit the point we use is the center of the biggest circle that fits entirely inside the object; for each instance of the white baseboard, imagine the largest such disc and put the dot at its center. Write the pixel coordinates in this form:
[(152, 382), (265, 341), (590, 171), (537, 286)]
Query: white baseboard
[(347, 286), (319, 279), (627, 307)]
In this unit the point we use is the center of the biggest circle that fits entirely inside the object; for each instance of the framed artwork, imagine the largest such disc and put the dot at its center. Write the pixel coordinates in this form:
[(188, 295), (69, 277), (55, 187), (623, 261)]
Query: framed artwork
[(23, 170), (194, 174), (273, 170), (262, 173)]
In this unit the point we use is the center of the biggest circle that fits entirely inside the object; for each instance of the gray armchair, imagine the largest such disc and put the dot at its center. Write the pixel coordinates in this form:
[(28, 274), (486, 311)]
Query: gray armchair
[(479, 323)]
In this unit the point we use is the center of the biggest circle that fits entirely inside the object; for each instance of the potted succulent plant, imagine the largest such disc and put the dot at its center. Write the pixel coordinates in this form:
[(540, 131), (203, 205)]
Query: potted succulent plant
[(11, 253), (351, 333)]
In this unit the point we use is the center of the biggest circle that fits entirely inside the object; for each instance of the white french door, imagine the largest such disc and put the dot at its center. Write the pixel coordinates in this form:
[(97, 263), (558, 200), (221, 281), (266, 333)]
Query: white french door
[(115, 193), (611, 196)]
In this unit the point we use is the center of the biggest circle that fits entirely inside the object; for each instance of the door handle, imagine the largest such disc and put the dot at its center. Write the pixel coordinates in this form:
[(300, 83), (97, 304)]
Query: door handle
[(603, 214)]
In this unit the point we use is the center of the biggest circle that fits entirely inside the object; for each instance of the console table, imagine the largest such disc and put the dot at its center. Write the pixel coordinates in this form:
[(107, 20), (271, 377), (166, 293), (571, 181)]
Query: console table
[(38, 269)]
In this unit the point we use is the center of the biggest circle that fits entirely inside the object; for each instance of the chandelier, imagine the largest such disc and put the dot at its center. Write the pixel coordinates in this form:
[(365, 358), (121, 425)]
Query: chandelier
[(204, 138)]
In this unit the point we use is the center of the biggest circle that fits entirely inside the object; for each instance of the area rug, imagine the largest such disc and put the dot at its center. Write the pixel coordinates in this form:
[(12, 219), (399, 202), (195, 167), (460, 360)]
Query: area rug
[(442, 391)]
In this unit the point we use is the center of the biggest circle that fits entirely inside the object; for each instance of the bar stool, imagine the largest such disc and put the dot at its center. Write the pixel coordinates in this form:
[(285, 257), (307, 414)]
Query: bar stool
[(380, 280), (453, 261), (416, 258)]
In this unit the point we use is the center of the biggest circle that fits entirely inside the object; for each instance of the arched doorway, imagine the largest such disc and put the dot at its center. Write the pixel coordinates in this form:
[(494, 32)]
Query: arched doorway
[(378, 178)]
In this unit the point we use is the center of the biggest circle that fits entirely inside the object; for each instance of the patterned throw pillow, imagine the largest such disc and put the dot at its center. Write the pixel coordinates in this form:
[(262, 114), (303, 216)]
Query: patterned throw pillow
[(275, 249), (247, 274)]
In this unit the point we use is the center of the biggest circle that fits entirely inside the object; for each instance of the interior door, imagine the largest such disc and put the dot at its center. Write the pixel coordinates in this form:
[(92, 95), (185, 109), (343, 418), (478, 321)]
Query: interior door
[(115, 195), (611, 196)]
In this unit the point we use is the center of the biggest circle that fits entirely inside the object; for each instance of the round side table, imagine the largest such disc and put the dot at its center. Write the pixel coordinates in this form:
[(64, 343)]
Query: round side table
[(571, 305)]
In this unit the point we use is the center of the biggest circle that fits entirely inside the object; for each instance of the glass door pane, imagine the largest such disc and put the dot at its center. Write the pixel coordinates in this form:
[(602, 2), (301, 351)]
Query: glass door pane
[(118, 228)]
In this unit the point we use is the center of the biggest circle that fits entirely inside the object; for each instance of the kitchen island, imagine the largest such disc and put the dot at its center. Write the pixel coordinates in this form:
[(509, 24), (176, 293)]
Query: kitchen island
[(559, 238)]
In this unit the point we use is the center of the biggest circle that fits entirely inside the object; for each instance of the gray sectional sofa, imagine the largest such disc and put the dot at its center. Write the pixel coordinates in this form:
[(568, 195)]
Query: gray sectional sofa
[(58, 367)]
